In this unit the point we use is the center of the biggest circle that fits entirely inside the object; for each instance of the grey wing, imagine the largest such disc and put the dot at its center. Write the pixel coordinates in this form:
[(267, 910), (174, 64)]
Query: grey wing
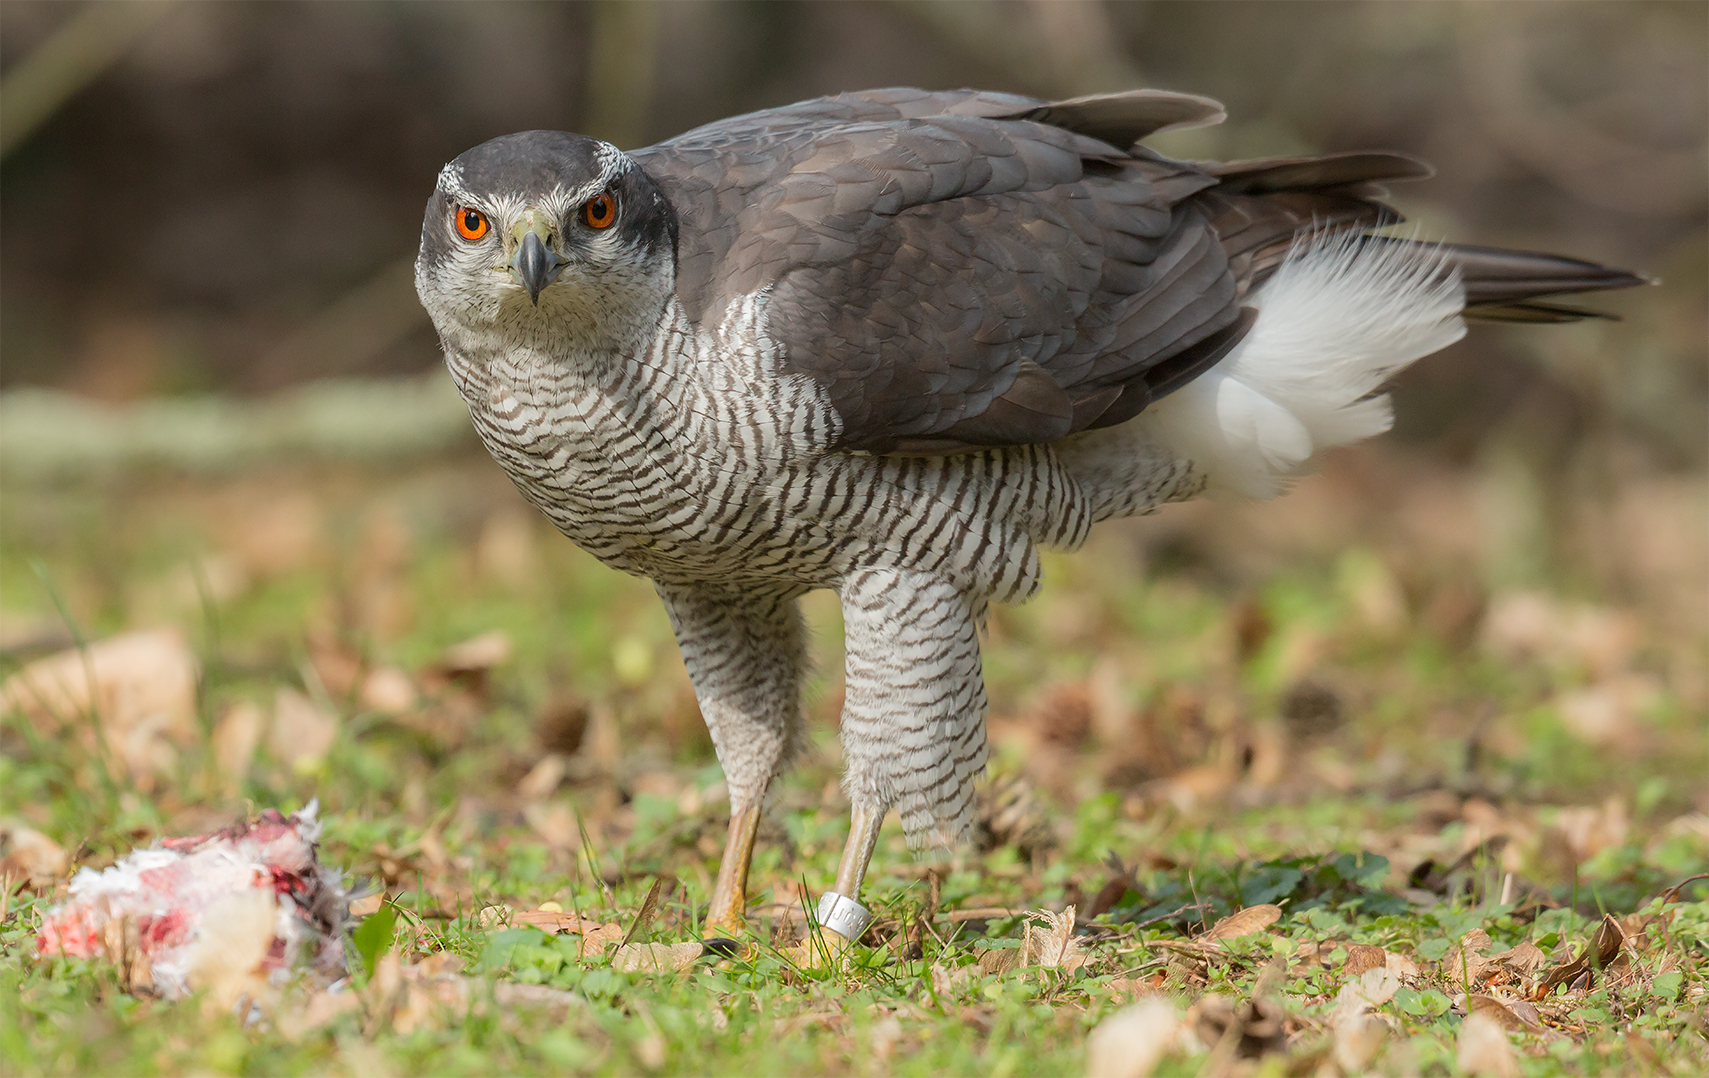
[(960, 269)]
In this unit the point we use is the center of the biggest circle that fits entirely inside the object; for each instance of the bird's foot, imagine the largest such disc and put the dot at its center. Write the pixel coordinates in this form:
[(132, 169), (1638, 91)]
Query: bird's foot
[(839, 924), (730, 926), (820, 950)]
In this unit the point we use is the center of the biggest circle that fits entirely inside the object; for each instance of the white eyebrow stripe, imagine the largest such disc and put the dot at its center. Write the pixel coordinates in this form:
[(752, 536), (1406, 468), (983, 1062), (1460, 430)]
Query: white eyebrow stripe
[(613, 164), (505, 208), (451, 182)]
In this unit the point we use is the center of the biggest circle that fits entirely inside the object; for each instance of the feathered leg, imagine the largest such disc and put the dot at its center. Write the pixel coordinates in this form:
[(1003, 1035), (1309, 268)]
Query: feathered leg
[(746, 652), (913, 719)]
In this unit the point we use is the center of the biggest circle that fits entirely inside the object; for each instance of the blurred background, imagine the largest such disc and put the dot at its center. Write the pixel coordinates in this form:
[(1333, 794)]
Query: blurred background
[(221, 407), (209, 197)]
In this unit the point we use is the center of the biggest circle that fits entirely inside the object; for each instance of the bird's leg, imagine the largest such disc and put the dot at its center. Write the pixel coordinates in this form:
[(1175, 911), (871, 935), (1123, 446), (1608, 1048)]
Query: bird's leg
[(840, 910), (745, 650), (857, 852), (913, 720), (730, 891)]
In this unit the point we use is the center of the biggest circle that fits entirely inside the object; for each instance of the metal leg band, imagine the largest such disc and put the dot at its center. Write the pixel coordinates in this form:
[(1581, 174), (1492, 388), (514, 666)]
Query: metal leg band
[(843, 915)]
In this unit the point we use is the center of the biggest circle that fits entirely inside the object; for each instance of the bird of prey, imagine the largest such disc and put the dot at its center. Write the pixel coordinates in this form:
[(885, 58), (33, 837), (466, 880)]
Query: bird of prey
[(892, 343)]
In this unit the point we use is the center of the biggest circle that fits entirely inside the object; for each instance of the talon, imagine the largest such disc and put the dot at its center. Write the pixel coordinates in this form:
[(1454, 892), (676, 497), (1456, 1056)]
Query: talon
[(722, 947)]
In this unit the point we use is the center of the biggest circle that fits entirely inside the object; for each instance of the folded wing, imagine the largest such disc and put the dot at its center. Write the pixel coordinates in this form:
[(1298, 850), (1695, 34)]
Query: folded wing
[(964, 269)]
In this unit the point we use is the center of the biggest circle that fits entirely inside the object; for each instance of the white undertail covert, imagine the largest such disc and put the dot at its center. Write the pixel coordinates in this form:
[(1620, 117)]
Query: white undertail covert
[(1342, 314)]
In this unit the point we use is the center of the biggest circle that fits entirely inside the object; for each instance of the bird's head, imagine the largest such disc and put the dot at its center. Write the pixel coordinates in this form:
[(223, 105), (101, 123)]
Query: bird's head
[(546, 237)]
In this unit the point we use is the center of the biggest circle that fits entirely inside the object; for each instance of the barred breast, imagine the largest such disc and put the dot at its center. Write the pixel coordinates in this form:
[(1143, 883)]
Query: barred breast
[(692, 461)]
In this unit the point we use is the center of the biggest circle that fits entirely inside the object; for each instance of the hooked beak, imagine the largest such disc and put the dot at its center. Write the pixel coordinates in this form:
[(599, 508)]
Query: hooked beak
[(534, 262)]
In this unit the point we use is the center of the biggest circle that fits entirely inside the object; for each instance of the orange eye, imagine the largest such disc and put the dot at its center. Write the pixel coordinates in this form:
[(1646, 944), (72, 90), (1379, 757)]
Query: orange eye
[(471, 224), (600, 211)]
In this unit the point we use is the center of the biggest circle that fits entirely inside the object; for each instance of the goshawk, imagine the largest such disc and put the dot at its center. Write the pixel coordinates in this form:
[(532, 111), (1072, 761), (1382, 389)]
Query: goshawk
[(894, 342)]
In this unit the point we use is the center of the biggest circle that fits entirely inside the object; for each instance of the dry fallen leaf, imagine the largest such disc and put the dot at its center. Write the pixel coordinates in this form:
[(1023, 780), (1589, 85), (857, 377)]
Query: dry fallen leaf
[(1359, 1035), (1597, 955), (1401, 966), (368, 904), (1525, 958), (302, 732), (1244, 922), (432, 994), (1249, 1029), (1374, 988), (656, 957), (1484, 1049), (883, 1036), (237, 735), (506, 551), (594, 941), (1052, 944), (27, 854), (946, 981), (1357, 1042), (555, 822), (552, 921), (1590, 829), (1515, 1015), (1465, 959), (320, 1009), (1362, 957), (998, 959), (1531, 625), (482, 652), (1131, 1042), (389, 691), (136, 693), (543, 777)]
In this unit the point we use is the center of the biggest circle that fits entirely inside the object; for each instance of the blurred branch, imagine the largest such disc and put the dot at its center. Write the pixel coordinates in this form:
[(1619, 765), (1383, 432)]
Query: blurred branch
[(621, 57), (1556, 142), (73, 56), (1071, 49), (51, 435), (358, 326)]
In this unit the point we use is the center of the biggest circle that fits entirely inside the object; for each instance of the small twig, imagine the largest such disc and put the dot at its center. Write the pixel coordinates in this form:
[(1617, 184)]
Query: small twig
[(1171, 915), (1672, 893), (982, 913), (1143, 966), (1190, 947)]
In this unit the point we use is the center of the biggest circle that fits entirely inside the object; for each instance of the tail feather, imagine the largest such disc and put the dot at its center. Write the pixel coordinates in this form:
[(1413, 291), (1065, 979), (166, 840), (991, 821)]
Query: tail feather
[(1536, 313), (1340, 311), (1497, 277)]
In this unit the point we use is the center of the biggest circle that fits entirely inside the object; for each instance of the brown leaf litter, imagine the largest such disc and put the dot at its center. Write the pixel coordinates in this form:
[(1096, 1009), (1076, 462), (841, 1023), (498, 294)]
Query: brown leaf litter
[(552, 919), (1483, 1048), (1245, 922), (29, 858), (1047, 942), (1131, 1042), (1597, 956), (429, 994), (129, 698)]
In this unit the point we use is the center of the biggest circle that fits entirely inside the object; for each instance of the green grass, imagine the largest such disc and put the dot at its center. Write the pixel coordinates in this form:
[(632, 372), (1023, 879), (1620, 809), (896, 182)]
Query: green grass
[(1205, 739)]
